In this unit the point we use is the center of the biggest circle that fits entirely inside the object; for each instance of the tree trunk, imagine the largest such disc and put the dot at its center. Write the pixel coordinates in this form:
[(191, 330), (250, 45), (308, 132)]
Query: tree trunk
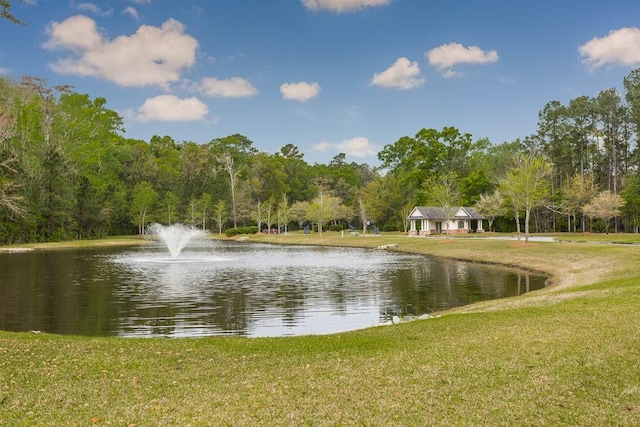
[(517, 216), (527, 215)]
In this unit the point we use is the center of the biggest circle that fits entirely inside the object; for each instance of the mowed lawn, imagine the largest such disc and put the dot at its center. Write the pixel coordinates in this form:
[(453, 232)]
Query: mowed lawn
[(565, 355)]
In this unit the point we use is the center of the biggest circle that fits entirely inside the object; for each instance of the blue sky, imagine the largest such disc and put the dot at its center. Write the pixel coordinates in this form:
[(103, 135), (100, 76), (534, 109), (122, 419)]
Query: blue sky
[(329, 76)]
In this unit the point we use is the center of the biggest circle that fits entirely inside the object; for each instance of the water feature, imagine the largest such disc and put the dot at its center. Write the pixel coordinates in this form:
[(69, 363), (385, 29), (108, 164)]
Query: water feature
[(175, 236), (229, 288)]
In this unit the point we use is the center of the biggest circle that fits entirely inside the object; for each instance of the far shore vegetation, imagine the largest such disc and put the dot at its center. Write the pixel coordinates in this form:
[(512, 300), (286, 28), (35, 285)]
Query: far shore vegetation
[(568, 354)]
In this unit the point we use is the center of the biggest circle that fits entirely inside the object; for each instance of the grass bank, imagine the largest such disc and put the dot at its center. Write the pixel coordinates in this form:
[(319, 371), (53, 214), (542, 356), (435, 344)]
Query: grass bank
[(111, 241), (565, 355)]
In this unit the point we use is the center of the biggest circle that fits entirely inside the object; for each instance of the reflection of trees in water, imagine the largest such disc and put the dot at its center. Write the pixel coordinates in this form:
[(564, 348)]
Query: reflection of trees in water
[(337, 293), (434, 285), (77, 292), (50, 297), (168, 303), (289, 299), (226, 309)]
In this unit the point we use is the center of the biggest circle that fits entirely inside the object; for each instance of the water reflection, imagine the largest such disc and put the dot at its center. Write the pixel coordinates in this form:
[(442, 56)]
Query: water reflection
[(240, 289)]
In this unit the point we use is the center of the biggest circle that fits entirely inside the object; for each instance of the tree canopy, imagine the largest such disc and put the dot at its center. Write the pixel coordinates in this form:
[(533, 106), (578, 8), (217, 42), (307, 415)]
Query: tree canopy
[(68, 171)]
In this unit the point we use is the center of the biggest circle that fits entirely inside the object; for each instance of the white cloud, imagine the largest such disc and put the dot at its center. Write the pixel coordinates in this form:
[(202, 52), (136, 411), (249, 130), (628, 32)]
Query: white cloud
[(445, 57), (151, 56), (403, 74), (619, 47), (4, 71), (356, 147), (92, 8), (132, 12), (234, 87), (341, 6), (170, 108), (301, 91), (322, 146)]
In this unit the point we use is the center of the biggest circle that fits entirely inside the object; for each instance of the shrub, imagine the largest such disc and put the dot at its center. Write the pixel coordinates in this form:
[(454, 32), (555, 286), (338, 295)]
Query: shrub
[(230, 232)]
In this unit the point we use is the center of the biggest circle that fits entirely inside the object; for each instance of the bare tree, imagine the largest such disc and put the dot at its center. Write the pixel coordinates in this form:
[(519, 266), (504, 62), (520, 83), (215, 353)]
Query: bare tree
[(9, 199)]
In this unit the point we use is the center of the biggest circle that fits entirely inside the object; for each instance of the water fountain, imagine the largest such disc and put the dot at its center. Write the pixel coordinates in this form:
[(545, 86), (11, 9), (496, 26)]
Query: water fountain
[(175, 236)]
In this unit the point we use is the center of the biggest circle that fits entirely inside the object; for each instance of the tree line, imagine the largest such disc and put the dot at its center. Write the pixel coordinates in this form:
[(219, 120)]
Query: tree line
[(68, 171)]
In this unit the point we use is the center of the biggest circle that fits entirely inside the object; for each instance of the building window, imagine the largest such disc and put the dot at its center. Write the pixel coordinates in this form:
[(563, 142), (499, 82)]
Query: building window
[(460, 224)]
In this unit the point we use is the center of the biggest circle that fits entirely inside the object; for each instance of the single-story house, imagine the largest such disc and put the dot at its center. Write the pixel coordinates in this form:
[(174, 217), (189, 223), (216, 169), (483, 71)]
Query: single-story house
[(426, 220)]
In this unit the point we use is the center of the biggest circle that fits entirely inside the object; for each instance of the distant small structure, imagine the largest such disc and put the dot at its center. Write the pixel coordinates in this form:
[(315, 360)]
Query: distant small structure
[(432, 220)]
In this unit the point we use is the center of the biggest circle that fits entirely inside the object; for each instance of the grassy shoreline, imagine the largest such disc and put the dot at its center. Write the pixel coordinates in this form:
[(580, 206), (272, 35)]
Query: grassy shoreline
[(565, 355)]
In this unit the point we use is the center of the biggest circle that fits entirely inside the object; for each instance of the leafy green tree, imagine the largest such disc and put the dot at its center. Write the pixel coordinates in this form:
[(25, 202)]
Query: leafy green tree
[(258, 214), (220, 213), (169, 204), (197, 171), (168, 161), (232, 155), (270, 206), (527, 186), (267, 177), (582, 134), (236, 145), (508, 186), (143, 200), (430, 152), (193, 212), (442, 191), (383, 200), (576, 193), (298, 176), (283, 214), (89, 133), (298, 212), (472, 186), (291, 151), (552, 137), (632, 95), (612, 121), (142, 165), (631, 196), (499, 158), (323, 209), (45, 161), (204, 203), (342, 178)]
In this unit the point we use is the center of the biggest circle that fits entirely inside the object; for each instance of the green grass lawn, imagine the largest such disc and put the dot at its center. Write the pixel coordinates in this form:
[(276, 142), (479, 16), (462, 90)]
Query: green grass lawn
[(565, 355)]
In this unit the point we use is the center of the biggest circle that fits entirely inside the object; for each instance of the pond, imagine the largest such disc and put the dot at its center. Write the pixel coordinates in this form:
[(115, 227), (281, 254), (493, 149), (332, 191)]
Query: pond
[(231, 288)]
